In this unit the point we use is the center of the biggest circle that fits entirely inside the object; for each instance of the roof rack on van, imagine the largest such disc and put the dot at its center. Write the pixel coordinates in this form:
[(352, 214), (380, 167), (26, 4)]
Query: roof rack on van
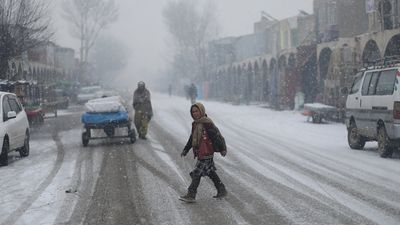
[(382, 62)]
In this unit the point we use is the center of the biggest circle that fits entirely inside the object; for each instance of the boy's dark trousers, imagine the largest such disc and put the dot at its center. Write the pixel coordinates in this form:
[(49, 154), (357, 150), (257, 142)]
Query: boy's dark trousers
[(221, 191)]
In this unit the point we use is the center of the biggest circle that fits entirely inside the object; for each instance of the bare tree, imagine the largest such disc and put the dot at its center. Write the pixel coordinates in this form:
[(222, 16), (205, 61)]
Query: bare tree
[(23, 26), (191, 27), (88, 18)]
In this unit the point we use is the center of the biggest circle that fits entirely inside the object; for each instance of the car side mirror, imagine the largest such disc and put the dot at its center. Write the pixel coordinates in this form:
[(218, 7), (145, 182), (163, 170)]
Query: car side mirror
[(11, 115), (344, 90)]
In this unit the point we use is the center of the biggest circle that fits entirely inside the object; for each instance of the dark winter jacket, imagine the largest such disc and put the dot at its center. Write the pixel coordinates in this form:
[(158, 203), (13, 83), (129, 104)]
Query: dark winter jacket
[(142, 102), (192, 91), (208, 140)]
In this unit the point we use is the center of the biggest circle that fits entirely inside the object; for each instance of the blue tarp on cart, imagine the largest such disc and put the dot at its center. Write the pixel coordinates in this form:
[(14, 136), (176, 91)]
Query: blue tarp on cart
[(106, 117)]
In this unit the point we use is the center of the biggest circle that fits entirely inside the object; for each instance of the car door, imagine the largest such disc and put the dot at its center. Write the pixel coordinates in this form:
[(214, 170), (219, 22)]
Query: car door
[(353, 98), (382, 104), (11, 129), (373, 110), (19, 121), (364, 118)]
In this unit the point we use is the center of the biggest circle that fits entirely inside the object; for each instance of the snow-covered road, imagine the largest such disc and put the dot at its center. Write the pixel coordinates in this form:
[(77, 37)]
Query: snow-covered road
[(305, 171), (280, 169)]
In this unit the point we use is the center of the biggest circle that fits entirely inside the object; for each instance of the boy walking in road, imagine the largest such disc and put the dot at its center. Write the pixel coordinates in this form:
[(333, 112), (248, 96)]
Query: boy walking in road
[(204, 139)]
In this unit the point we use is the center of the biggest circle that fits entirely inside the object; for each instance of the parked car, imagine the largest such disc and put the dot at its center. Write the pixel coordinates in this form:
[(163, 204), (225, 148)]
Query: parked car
[(87, 93), (373, 109), (14, 127)]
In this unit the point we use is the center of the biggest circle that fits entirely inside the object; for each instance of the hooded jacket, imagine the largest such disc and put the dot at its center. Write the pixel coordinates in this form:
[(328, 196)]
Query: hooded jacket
[(203, 133), (142, 101)]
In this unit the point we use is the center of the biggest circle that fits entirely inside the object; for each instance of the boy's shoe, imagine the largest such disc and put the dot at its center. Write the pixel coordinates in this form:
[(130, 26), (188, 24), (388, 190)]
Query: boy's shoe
[(187, 198), (221, 192)]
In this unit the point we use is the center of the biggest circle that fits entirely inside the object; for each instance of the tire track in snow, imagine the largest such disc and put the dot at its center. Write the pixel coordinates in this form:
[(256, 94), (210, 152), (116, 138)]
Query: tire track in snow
[(262, 140), (298, 150), (264, 205), (233, 202), (324, 161), (81, 189), (13, 217), (113, 202)]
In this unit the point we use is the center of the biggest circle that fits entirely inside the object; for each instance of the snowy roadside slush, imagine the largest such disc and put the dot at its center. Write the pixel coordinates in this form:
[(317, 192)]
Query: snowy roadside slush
[(36, 188), (23, 178)]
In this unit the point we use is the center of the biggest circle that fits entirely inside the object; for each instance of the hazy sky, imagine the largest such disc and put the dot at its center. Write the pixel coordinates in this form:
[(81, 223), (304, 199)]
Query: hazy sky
[(141, 26)]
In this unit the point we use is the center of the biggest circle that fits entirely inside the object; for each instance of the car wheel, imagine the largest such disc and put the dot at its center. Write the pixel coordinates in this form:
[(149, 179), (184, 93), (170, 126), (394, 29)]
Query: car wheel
[(4, 153), (24, 151), (384, 144), (85, 139), (355, 140)]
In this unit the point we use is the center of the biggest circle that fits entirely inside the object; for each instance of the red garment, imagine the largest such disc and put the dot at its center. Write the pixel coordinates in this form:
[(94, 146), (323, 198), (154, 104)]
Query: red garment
[(206, 149)]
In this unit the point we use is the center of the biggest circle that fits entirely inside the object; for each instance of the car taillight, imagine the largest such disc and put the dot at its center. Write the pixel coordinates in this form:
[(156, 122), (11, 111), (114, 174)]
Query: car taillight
[(396, 110)]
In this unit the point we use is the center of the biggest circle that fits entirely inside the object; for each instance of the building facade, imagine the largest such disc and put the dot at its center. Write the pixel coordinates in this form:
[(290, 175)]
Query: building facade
[(316, 54)]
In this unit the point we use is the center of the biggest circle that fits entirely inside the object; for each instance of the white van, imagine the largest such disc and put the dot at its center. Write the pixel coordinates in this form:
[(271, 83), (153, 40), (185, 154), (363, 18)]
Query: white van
[(373, 109)]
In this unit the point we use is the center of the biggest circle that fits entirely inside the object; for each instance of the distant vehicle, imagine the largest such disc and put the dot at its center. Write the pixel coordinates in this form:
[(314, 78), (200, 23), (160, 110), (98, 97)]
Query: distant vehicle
[(87, 93), (106, 93), (373, 109), (62, 99), (14, 127)]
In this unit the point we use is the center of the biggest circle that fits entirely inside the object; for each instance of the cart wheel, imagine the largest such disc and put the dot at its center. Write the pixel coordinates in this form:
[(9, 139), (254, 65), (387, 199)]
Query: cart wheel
[(85, 139), (132, 136)]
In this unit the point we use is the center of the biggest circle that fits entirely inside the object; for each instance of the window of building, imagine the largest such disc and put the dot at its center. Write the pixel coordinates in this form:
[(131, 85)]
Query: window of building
[(385, 14)]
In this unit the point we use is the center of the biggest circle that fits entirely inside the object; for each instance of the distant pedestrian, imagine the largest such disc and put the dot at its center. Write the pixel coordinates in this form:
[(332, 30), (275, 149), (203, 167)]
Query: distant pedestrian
[(204, 139), (186, 89), (143, 109), (192, 93)]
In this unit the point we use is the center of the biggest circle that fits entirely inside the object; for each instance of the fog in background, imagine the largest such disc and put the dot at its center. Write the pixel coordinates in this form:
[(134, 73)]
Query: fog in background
[(141, 27)]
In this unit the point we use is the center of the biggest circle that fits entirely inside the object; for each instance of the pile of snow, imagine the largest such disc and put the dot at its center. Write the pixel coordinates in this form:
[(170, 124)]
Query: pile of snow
[(317, 106), (107, 104)]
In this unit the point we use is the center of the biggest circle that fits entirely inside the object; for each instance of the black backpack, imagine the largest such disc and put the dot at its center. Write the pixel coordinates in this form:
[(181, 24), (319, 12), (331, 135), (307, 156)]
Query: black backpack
[(217, 139)]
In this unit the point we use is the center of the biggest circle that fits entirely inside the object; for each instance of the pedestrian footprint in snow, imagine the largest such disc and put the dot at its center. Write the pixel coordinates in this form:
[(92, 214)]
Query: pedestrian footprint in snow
[(205, 139)]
